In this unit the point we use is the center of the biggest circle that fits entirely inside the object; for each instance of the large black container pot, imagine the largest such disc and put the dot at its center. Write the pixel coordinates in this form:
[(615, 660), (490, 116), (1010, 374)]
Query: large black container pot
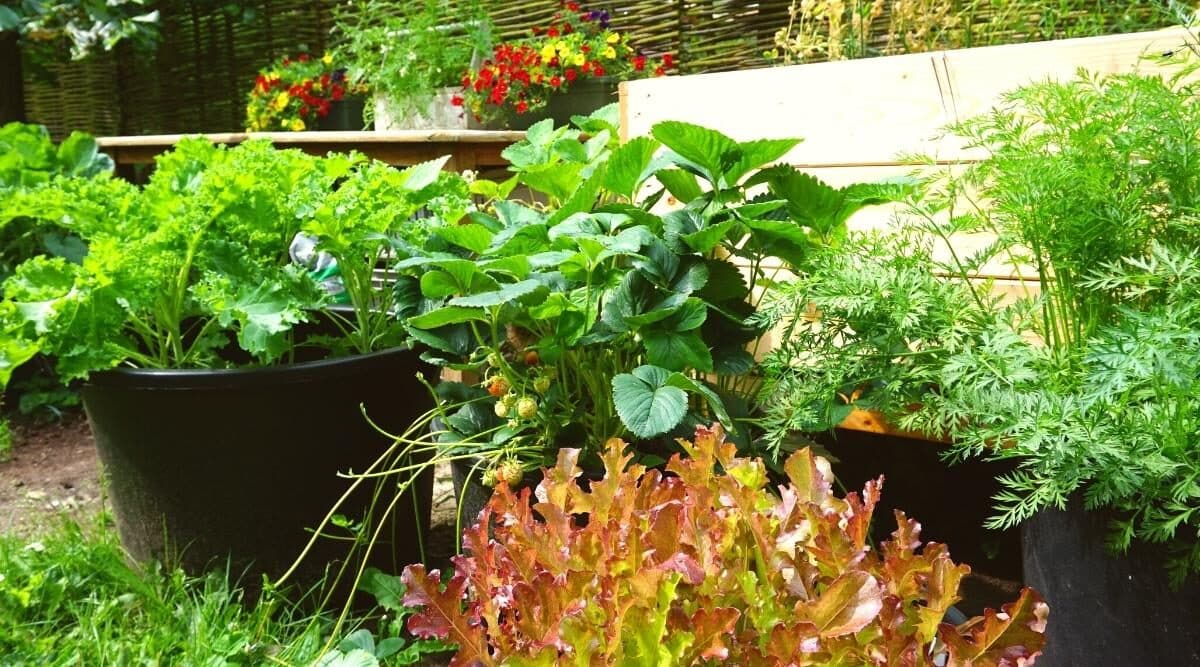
[(952, 502), (209, 465), (1106, 609)]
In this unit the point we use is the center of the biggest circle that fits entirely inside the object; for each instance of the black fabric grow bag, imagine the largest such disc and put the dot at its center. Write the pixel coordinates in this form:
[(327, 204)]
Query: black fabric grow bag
[(206, 465), (1107, 609)]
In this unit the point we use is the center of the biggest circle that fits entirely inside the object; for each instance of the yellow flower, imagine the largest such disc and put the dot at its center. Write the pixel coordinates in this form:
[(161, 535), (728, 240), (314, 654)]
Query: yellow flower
[(281, 101), (614, 37), (327, 58), (296, 125), (580, 59), (547, 52), (561, 46), (610, 52)]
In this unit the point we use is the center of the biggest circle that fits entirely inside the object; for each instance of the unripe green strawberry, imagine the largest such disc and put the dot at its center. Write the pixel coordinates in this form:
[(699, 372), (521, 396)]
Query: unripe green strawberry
[(527, 408), (510, 472), (541, 385), (501, 409), (489, 478), (493, 360)]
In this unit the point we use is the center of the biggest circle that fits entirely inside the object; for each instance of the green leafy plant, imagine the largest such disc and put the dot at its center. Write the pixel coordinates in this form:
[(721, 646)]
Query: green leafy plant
[(588, 314), (868, 327), (408, 51), (196, 263), (1086, 377), (87, 26), (28, 159), (705, 566), (390, 644)]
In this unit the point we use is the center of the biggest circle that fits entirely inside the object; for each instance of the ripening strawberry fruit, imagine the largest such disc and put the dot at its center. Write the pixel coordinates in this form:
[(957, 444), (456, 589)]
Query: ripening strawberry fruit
[(501, 409), (498, 387), (510, 472), (532, 358), (527, 408)]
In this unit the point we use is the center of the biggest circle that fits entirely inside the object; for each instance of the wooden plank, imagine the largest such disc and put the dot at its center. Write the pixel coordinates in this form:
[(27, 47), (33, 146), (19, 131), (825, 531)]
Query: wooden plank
[(867, 112), (469, 149), (348, 137), (873, 421), (855, 111)]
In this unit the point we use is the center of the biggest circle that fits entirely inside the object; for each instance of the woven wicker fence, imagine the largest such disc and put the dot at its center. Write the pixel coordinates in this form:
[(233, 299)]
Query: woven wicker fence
[(197, 79)]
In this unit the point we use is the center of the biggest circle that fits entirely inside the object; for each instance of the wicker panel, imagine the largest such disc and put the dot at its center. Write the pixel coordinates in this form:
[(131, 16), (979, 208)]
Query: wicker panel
[(197, 79), (76, 96)]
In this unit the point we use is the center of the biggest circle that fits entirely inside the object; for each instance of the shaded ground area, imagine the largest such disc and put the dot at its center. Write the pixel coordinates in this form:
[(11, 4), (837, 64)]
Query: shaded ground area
[(52, 471)]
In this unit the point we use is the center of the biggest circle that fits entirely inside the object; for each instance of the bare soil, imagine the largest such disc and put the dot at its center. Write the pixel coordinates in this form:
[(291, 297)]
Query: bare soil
[(52, 471)]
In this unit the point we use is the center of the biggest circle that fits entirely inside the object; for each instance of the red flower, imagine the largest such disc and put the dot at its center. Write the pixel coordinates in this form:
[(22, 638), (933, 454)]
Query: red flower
[(457, 101), (585, 48), (303, 58), (323, 108), (555, 81), (522, 107), (659, 71), (571, 74), (337, 93), (598, 69), (573, 6), (668, 60), (639, 63), (287, 61), (552, 32), (303, 110), (295, 91)]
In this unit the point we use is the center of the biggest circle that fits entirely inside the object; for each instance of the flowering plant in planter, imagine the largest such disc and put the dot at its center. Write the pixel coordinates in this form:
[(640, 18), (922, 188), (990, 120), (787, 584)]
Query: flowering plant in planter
[(706, 566), (577, 45), (292, 94)]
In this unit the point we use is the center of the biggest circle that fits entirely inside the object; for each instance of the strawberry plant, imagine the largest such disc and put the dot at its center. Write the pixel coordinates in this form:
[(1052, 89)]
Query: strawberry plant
[(704, 565), (588, 312)]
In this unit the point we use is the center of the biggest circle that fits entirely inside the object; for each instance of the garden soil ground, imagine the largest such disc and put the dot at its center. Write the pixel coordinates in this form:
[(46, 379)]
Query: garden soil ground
[(53, 473)]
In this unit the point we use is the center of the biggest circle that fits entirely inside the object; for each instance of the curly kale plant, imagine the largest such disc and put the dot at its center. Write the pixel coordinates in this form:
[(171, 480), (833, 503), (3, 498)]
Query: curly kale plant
[(197, 261), (706, 566)]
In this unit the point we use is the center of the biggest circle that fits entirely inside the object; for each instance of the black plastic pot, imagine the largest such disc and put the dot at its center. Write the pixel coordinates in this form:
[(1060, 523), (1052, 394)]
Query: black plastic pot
[(952, 502), (584, 97), (206, 465), (345, 114), (1106, 609)]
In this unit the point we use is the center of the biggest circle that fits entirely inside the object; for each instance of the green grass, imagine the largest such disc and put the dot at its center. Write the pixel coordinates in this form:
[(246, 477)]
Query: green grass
[(72, 598)]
